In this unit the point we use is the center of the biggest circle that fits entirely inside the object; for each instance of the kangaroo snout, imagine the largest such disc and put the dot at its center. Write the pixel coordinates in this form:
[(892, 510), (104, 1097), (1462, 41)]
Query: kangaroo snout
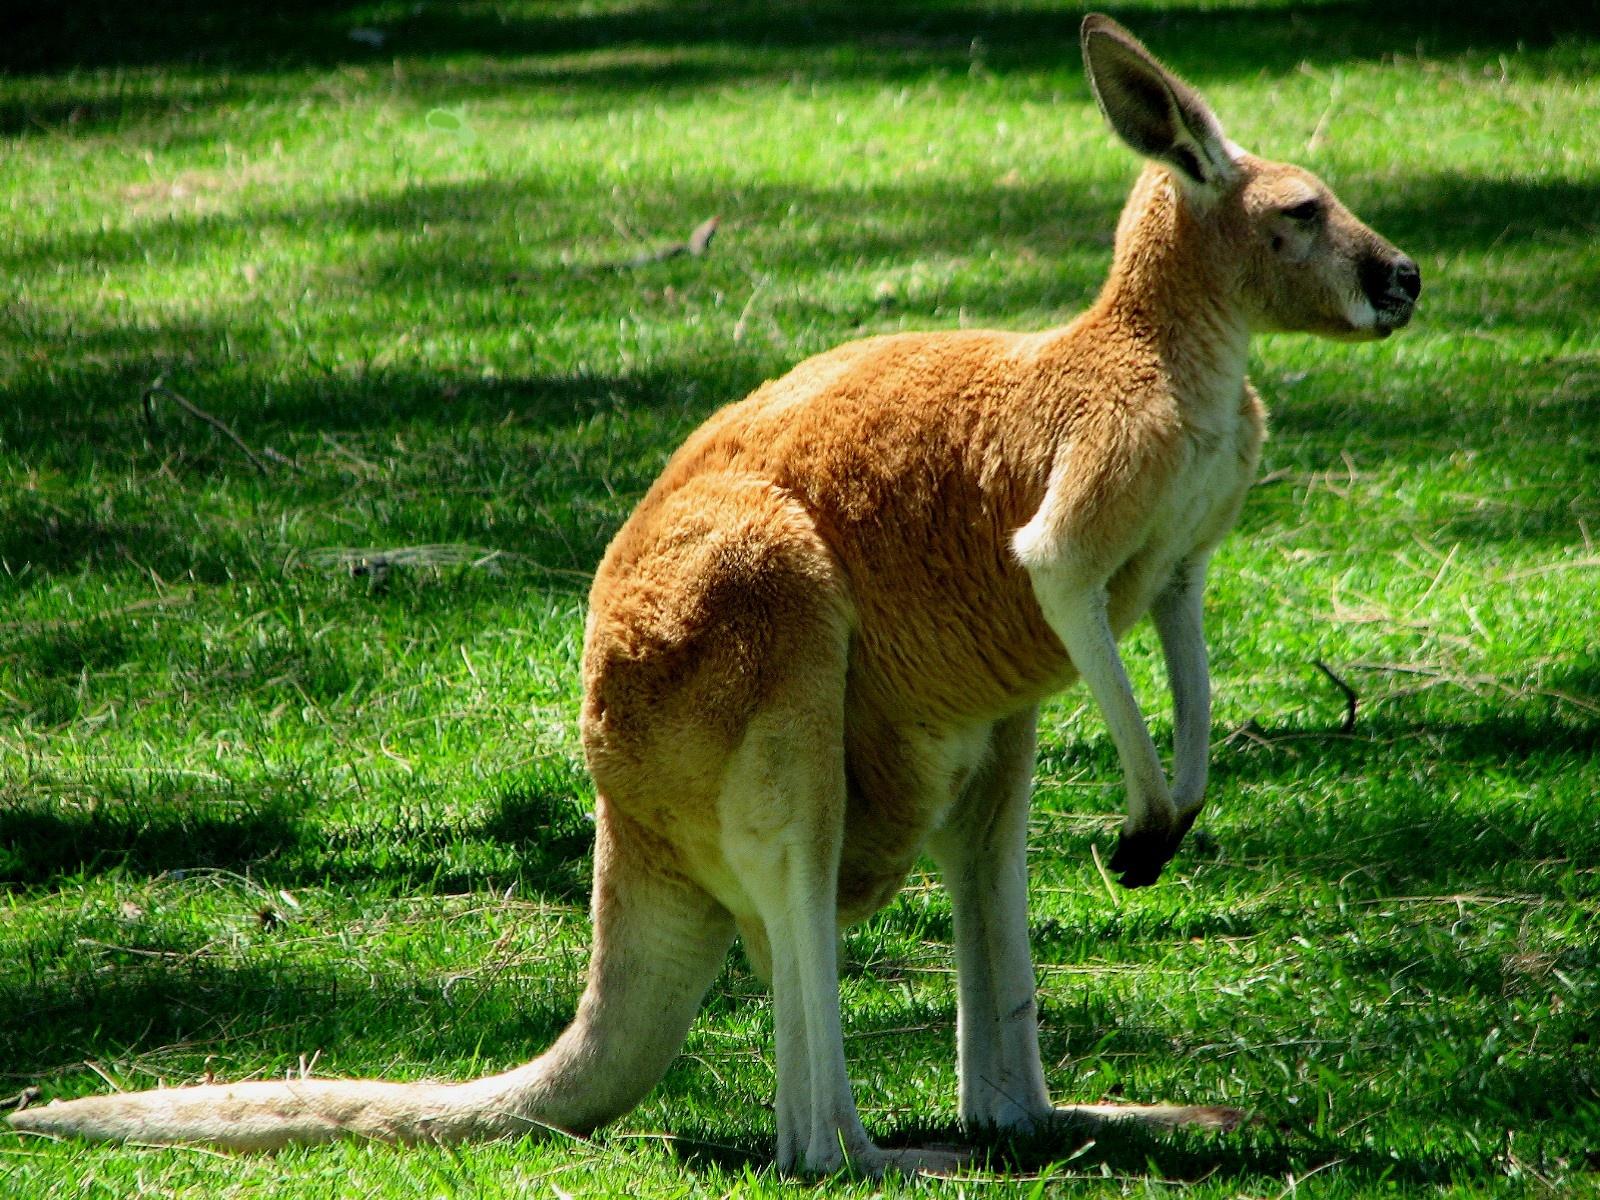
[(1392, 282)]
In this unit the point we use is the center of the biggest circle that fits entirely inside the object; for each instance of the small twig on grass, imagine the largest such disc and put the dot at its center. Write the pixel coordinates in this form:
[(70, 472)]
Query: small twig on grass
[(672, 1139), (1351, 699), (159, 388), (1295, 1182), (695, 245), (1253, 732), (741, 324), (375, 563), (1571, 564)]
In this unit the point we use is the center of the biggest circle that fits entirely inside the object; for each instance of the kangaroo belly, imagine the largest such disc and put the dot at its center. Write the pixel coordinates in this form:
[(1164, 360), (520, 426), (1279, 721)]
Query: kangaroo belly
[(903, 781)]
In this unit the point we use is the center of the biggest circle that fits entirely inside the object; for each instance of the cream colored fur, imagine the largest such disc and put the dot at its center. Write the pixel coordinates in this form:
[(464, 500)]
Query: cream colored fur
[(816, 651)]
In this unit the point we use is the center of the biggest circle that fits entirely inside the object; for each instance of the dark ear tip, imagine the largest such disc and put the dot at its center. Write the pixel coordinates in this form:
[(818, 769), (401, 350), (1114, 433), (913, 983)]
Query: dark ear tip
[(1094, 24), (1098, 24)]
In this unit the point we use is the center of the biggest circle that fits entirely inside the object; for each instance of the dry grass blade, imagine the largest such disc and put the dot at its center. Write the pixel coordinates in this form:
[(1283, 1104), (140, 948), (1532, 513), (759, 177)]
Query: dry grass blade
[(159, 388), (362, 559)]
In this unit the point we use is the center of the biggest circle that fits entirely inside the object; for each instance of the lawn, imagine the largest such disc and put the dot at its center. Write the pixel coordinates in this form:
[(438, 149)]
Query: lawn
[(337, 343)]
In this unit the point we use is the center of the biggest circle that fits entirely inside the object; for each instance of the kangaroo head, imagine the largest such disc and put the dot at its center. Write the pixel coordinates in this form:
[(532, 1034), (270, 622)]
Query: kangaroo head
[(1289, 256)]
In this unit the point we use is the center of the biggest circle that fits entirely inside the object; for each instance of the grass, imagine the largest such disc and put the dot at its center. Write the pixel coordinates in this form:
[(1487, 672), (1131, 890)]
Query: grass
[(266, 802)]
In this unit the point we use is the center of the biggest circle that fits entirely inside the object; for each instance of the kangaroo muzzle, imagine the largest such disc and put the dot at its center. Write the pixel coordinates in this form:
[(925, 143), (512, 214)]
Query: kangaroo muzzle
[(1391, 284)]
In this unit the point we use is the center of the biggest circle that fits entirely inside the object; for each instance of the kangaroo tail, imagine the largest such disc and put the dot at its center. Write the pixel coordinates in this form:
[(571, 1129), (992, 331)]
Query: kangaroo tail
[(658, 943), (268, 1116)]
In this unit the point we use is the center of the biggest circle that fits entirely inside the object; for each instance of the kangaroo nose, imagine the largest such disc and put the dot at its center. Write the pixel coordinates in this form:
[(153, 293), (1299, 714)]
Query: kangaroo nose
[(1407, 278), (1391, 281)]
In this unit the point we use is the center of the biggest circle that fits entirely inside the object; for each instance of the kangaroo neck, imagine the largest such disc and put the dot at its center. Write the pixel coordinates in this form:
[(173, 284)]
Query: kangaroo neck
[(1170, 294)]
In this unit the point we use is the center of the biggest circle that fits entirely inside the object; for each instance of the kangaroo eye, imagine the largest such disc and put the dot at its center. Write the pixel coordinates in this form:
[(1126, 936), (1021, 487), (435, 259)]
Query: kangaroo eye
[(1306, 210)]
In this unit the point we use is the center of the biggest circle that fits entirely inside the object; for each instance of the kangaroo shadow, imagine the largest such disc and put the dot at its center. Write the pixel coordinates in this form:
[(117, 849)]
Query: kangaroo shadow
[(1254, 1157)]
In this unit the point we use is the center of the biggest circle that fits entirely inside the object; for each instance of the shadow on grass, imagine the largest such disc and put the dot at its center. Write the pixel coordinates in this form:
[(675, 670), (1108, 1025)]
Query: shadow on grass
[(84, 410), (424, 237), (602, 56), (871, 40), (1251, 1157), (67, 538), (533, 834), (445, 228), (1447, 212), (279, 1010), (165, 993), (536, 834), (45, 843), (172, 1002), (1392, 836), (468, 448)]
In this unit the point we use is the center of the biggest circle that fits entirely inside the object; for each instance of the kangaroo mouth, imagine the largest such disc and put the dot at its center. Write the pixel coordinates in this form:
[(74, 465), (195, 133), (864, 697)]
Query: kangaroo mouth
[(1388, 320), (1391, 285), (1366, 322)]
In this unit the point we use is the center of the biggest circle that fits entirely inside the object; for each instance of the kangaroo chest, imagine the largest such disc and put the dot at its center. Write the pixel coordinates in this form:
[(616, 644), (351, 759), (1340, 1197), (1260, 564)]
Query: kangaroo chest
[(1194, 511)]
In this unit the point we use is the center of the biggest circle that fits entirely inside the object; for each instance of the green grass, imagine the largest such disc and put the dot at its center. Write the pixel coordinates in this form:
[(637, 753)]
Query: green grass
[(259, 805)]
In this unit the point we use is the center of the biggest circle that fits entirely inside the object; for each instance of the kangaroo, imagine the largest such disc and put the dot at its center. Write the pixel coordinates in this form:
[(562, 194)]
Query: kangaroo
[(817, 649)]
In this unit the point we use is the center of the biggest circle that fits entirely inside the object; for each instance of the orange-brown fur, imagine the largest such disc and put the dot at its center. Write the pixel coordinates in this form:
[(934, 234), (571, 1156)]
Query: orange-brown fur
[(817, 647), (905, 463)]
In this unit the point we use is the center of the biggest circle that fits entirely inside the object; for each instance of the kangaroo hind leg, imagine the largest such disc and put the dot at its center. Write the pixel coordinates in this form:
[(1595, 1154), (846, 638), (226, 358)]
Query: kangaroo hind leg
[(783, 807), (982, 853), (659, 941)]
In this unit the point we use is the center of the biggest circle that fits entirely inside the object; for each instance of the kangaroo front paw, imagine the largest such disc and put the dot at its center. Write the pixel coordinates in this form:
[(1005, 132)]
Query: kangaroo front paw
[(1142, 853), (1140, 856)]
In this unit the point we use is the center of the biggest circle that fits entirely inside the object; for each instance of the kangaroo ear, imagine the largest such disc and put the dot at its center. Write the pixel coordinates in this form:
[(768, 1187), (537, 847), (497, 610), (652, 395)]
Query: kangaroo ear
[(1150, 108)]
